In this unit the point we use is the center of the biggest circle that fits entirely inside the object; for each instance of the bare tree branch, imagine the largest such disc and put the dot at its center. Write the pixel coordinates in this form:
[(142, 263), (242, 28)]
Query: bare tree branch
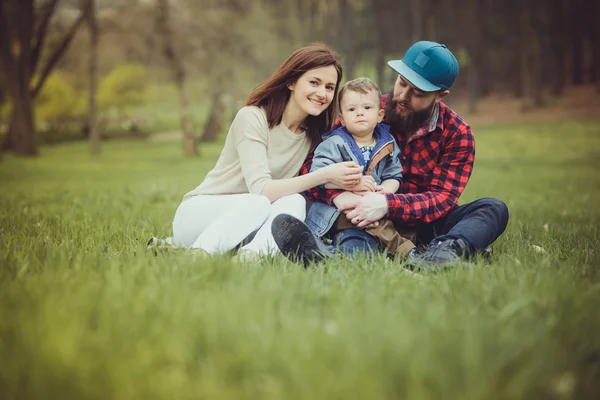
[(7, 62), (41, 32), (55, 57)]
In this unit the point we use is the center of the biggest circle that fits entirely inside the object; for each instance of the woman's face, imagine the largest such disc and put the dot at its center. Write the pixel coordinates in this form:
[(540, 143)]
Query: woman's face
[(314, 90)]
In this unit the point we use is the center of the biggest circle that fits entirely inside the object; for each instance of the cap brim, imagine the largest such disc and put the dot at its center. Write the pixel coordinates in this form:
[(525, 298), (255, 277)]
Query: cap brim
[(410, 75)]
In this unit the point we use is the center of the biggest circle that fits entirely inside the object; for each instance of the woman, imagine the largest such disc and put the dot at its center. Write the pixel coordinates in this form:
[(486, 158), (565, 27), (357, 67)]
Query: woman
[(255, 177)]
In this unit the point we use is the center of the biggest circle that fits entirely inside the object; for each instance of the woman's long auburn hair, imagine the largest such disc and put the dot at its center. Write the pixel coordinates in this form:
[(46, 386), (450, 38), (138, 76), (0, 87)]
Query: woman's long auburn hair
[(274, 93)]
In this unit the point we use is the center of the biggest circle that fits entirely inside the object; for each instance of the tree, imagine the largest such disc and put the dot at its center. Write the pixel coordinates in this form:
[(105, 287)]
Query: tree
[(23, 33), (92, 22), (576, 35), (125, 86), (557, 45), (475, 46), (531, 67), (347, 35), (58, 100), (163, 23)]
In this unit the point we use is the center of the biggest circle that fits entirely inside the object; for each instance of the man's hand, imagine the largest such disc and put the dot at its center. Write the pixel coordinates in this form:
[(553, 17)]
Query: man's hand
[(368, 209), (346, 201)]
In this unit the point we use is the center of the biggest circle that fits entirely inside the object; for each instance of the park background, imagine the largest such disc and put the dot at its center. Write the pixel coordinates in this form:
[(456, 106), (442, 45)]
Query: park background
[(110, 110)]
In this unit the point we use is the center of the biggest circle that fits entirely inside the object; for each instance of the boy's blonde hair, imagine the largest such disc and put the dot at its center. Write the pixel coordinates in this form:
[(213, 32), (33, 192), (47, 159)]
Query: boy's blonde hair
[(360, 85)]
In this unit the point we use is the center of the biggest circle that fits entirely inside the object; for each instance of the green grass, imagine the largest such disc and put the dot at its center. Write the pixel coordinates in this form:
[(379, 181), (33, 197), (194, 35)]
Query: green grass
[(86, 312)]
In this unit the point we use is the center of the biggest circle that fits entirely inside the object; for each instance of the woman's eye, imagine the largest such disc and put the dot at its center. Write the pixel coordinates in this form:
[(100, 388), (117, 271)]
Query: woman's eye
[(330, 88), (313, 82)]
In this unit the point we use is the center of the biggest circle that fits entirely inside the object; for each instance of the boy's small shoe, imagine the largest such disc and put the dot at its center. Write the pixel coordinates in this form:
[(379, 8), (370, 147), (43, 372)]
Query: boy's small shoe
[(297, 242)]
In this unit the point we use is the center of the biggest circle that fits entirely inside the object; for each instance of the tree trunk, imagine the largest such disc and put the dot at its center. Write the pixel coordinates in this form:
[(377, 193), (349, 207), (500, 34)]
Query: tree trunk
[(379, 21), (597, 57), (536, 76), (94, 132), (475, 48), (417, 20), (485, 86), (524, 23), (558, 74), (346, 34), (178, 72), (429, 20), (576, 39), (21, 133), (472, 85), (379, 68), (15, 72), (592, 12), (530, 55), (314, 13), (214, 124), (186, 122)]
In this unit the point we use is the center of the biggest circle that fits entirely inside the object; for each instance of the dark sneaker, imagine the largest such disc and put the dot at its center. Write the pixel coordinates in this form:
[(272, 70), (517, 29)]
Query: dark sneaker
[(441, 255), (297, 242)]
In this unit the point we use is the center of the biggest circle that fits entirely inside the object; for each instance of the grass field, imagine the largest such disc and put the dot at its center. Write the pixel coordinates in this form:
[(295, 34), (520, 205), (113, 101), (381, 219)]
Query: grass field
[(86, 312)]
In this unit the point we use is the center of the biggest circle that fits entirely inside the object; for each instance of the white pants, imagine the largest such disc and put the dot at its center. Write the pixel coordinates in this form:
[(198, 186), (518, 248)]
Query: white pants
[(218, 223)]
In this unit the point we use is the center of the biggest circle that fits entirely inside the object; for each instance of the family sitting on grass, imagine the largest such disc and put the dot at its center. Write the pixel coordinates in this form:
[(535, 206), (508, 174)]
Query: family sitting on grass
[(370, 186)]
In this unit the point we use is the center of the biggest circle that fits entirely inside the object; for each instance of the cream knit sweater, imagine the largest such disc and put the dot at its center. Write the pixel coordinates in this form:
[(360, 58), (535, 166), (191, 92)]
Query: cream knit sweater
[(253, 155)]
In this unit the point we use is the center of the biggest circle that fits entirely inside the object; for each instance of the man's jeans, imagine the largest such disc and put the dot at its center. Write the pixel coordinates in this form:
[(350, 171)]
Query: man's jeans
[(478, 223)]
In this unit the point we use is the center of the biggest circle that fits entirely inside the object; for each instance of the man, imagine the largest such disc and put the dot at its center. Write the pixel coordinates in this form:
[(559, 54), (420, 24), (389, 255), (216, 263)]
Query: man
[(438, 151)]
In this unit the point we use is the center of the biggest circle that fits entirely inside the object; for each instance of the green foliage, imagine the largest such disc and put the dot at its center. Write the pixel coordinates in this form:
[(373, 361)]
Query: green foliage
[(86, 312), (59, 99), (125, 86)]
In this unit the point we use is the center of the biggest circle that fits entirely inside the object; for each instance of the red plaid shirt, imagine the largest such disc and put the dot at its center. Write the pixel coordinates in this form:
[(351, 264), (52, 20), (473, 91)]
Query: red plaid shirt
[(437, 162)]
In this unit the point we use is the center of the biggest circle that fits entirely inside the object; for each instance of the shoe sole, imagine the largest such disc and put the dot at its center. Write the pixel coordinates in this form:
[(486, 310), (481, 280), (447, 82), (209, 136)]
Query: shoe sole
[(295, 240)]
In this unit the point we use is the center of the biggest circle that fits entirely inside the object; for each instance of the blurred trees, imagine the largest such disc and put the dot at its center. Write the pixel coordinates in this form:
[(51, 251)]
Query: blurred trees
[(24, 30), (532, 49), (123, 87), (58, 100)]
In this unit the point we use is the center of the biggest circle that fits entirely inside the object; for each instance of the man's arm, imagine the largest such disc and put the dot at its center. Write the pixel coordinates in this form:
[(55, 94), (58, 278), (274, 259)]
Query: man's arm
[(448, 181)]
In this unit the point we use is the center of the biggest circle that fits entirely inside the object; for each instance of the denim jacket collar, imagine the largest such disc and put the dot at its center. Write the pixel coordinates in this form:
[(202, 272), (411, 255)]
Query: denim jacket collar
[(381, 134)]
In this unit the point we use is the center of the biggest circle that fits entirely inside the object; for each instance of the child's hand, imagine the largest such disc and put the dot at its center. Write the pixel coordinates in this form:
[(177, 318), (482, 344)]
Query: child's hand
[(379, 189), (365, 185)]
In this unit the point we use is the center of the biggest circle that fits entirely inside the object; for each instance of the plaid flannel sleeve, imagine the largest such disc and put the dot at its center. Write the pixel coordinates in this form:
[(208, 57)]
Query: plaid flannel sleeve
[(318, 193), (449, 179)]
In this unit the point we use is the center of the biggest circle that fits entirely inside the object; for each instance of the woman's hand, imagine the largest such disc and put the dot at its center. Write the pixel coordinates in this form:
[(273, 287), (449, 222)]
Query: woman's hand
[(345, 175)]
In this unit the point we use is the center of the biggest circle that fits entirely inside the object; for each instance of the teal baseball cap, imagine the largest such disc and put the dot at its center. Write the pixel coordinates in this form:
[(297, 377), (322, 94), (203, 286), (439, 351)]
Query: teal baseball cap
[(429, 66)]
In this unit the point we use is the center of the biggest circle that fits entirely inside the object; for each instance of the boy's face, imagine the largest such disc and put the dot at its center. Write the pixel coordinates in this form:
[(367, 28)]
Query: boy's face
[(360, 113)]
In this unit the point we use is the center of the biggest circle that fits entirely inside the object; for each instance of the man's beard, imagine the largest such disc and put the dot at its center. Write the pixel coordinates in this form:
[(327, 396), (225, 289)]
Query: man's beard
[(405, 125)]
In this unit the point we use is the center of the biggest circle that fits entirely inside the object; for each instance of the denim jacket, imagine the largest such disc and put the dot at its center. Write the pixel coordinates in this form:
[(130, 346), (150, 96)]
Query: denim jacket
[(338, 146)]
